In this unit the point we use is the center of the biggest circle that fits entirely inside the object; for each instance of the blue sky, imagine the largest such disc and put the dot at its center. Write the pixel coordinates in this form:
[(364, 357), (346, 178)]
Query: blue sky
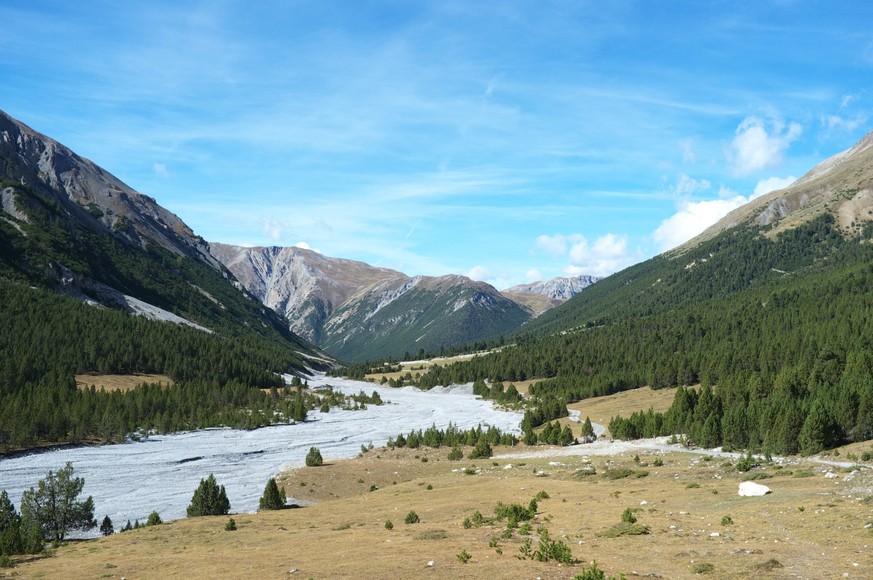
[(509, 141)]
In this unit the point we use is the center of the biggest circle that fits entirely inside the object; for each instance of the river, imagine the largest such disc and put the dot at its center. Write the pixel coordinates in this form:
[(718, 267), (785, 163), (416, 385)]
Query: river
[(128, 481)]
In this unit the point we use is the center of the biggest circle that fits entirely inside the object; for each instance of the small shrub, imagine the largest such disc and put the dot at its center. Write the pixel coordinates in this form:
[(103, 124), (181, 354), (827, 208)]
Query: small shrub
[(464, 556), (526, 549), (866, 456), (585, 471), (6, 561), (482, 450), (469, 471), (747, 462), (694, 485), (492, 542), (154, 519), (478, 520), (594, 573), (625, 529), (373, 487), (628, 516), (412, 518), (658, 462), (525, 529), (614, 474), (230, 526), (424, 459), (550, 549), (389, 525), (702, 568), (542, 495), (727, 521), (754, 476), (803, 473), (456, 454), (313, 458), (467, 524), (432, 535), (429, 487)]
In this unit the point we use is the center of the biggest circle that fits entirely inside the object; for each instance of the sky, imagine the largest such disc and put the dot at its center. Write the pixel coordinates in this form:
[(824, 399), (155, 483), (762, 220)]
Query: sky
[(509, 141)]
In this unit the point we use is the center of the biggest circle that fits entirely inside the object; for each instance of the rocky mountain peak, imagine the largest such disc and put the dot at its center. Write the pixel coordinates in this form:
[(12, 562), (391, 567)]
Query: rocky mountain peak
[(91, 194)]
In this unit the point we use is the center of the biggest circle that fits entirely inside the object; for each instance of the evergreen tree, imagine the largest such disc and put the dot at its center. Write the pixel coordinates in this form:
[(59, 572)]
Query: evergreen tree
[(154, 519), (273, 498), (54, 508), (106, 527), (10, 527), (313, 458), (209, 499)]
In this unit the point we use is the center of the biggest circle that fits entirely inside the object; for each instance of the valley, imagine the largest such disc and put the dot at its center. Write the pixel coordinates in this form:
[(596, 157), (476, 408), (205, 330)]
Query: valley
[(743, 354)]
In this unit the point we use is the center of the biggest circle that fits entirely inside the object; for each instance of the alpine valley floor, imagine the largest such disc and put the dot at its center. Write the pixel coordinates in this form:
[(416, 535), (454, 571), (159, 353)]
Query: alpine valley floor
[(814, 524)]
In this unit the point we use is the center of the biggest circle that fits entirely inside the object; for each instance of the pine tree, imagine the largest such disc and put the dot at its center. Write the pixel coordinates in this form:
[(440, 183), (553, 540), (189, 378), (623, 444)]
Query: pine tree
[(106, 527), (209, 499), (313, 458), (53, 505), (273, 498)]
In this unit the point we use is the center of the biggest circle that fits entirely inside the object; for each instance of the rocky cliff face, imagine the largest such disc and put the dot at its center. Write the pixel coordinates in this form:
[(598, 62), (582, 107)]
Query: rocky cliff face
[(90, 194), (300, 284), (356, 311)]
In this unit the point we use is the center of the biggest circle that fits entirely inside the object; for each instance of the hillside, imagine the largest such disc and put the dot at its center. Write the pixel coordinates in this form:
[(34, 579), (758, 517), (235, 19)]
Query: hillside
[(80, 252), (774, 313), (356, 311)]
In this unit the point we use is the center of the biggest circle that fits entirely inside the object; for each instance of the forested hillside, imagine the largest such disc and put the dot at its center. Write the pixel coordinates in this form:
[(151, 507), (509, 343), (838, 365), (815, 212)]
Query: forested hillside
[(782, 328), (86, 287)]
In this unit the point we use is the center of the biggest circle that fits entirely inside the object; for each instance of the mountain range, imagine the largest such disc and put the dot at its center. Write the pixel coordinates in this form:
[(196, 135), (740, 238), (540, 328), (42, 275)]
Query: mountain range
[(356, 311), (110, 245)]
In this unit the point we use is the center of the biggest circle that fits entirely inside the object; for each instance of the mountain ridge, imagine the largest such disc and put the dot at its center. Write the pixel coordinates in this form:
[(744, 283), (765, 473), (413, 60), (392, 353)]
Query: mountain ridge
[(355, 310)]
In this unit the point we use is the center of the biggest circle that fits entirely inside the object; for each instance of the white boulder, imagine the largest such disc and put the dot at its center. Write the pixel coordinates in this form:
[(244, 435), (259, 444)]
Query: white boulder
[(752, 489)]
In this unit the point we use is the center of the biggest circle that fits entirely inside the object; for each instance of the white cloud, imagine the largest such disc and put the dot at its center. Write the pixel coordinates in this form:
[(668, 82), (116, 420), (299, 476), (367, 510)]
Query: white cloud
[(480, 273), (533, 276), (607, 255), (833, 122), (556, 245), (691, 219), (161, 170), (276, 230), (688, 185), (765, 186), (761, 143)]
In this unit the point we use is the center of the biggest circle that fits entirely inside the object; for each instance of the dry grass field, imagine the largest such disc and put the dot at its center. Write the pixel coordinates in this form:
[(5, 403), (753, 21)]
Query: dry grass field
[(120, 382), (811, 526), (602, 409)]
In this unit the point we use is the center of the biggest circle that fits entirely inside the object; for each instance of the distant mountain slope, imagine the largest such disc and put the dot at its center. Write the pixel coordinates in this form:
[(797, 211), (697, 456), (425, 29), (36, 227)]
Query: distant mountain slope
[(545, 295), (771, 306), (70, 226), (356, 311), (300, 284)]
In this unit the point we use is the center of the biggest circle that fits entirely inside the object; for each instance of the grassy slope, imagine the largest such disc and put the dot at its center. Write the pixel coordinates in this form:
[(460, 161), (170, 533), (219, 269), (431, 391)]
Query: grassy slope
[(343, 535)]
